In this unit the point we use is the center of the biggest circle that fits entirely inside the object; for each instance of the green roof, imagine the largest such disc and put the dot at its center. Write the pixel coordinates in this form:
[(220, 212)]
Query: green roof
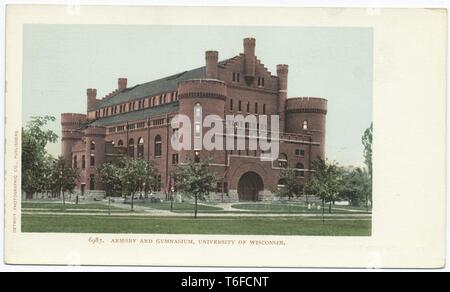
[(137, 115), (152, 88)]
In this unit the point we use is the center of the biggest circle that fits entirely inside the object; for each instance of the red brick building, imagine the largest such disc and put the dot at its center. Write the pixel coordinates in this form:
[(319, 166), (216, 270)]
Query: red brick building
[(137, 120)]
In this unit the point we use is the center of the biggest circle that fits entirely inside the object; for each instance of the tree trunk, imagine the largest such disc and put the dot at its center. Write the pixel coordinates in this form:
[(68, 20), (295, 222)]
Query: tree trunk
[(28, 195), (132, 202), (329, 210), (195, 212), (323, 211), (64, 201), (76, 200)]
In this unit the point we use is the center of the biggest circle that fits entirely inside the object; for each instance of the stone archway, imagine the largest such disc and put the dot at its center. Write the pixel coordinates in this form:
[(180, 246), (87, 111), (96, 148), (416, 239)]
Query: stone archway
[(249, 186)]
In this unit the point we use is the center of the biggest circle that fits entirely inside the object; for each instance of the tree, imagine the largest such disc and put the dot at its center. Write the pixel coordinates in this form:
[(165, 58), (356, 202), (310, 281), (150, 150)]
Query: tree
[(355, 186), (110, 177), (64, 177), (324, 182), (133, 175), (367, 143), (195, 180), (291, 184), (34, 140)]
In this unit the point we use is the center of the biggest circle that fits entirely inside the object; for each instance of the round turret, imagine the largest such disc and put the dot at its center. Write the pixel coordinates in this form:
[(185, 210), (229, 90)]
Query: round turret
[(307, 115), (70, 123), (95, 154), (199, 98)]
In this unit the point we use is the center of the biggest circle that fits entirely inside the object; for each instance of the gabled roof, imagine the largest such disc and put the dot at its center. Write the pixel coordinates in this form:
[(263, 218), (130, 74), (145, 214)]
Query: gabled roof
[(137, 115), (152, 88)]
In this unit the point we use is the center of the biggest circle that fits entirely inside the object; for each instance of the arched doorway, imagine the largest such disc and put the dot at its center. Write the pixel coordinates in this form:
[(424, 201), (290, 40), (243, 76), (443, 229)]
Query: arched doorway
[(250, 184)]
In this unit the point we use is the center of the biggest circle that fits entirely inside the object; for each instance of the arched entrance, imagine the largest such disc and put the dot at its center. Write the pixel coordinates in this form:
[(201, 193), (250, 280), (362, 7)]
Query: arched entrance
[(250, 184)]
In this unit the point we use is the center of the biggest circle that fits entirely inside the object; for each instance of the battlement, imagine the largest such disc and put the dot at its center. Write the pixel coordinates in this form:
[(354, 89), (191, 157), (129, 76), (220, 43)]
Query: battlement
[(72, 120), (95, 131), (282, 69), (249, 42), (206, 88), (214, 55), (307, 104)]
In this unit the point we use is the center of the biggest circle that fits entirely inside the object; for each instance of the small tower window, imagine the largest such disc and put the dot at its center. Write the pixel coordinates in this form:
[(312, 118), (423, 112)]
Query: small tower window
[(264, 109), (75, 162), (300, 170), (231, 104), (256, 108), (240, 106), (83, 162), (305, 125)]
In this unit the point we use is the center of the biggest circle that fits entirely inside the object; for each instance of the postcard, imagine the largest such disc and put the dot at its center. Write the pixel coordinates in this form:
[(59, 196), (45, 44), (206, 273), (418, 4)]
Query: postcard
[(225, 136)]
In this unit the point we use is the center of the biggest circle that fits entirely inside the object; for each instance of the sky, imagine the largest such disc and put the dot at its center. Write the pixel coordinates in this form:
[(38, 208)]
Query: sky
[(61, 61)]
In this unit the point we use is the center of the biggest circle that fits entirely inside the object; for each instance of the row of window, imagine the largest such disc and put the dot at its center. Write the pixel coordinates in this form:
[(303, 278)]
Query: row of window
[(236, 77), (137, 105), (139, 125), (256, 109)]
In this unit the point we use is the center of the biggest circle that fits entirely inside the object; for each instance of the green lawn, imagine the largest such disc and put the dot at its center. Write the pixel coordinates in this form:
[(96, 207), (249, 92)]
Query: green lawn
[(202, 225), (177, 207), (293, 208)]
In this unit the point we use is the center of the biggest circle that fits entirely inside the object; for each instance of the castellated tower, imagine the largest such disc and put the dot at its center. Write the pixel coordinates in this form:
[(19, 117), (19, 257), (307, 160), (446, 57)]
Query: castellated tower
[(307, 115), (249, 59), (211, 69), (198, 99), (70, 123), (95, 154), (91, 94)]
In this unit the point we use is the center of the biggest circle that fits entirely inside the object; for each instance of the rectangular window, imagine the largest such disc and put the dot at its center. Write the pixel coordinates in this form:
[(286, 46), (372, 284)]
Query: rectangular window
[(240, 106), (264, 109), (231, 104), (248, 107), (256, 108), (92, 160), (175, 159)]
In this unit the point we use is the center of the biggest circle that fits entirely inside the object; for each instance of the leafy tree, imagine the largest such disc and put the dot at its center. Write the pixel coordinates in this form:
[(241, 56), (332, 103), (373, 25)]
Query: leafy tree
[(64, 177), (355, 186), (292, 185), (48, 183), (325, 182), (110, 177), (133, 175), (195, 180), (367, 143), (34, 155)]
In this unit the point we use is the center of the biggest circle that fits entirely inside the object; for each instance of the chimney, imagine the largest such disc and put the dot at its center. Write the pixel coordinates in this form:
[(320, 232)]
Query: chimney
[(250, 59), (122, 83), (91, 98), (212, 58), (282, 73)]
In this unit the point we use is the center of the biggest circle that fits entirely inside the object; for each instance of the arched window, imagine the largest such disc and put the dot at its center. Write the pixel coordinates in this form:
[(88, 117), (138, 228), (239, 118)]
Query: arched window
[(140, 148), (305, 125), (300, 169), (75, 162), (131, 148), (92, 145), (281, 183), (282, 161), (158, 146), (83, 162), (92, 159), (120, 143)]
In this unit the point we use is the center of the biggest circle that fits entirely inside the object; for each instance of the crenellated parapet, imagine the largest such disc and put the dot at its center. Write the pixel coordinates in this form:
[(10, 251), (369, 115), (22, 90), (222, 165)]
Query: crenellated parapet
[(202, 88), (306, 105)]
